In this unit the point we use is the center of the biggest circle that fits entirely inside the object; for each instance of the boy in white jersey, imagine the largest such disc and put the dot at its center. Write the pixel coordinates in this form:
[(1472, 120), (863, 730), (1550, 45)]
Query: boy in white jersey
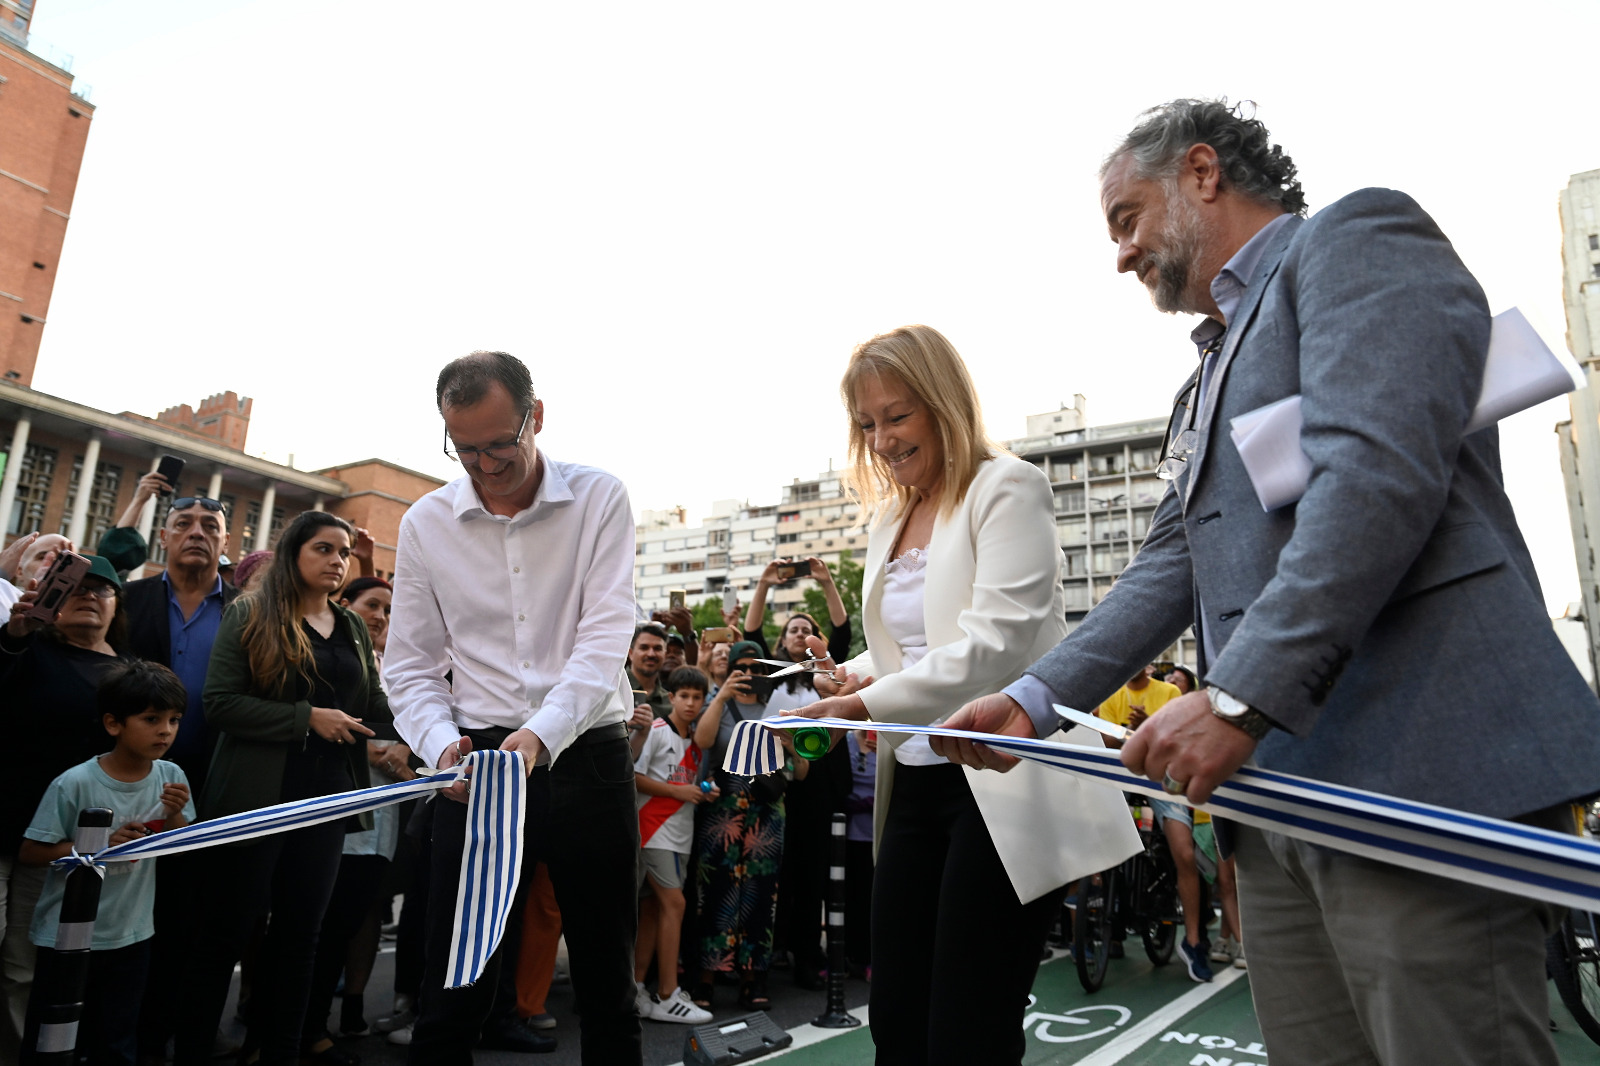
[(667, 774)]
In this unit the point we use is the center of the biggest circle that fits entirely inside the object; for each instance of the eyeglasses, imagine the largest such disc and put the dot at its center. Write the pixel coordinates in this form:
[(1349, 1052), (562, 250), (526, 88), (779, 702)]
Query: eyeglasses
[(99, 590), (1184, 442), (1187, 438), (500, 452), (183, 503)]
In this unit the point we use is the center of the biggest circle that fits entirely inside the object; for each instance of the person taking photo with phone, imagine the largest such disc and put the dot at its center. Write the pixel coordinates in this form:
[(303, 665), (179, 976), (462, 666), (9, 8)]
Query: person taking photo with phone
[(49, 672)]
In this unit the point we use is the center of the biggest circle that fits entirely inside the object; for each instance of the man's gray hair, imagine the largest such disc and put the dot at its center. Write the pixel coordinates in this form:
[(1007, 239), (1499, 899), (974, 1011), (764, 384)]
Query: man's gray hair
[(1251, 164)]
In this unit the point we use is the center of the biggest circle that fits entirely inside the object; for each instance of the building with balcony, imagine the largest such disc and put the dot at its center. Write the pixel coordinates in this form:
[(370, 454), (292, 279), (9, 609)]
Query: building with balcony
[(1106, 491), (1579, 439)]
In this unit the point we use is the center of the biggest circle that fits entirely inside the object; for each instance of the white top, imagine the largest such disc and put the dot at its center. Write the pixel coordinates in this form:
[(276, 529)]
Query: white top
[(783, 700), (532, 613), (901, 612), (667, 824)]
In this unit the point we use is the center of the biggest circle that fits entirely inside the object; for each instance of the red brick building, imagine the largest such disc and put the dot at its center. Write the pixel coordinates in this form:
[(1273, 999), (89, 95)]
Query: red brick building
[(44, 126)]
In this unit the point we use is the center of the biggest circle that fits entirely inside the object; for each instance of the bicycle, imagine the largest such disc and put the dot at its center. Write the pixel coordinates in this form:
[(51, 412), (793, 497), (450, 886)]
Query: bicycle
[(1141, 895), (1572, 953)]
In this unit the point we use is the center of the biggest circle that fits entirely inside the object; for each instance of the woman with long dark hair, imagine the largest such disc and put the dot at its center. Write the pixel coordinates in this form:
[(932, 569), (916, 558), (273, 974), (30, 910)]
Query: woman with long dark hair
[(291, 682)]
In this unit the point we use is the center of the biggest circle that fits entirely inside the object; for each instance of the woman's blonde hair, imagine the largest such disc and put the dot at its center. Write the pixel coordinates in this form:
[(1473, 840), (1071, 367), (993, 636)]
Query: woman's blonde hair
[(920, 358)]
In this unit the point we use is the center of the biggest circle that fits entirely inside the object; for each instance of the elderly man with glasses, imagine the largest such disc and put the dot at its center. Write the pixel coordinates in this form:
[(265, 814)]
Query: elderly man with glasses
[(516, 581)]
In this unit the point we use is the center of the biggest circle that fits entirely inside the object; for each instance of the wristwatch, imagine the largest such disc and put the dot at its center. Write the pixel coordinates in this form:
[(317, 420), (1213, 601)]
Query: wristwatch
[(1237, 712)]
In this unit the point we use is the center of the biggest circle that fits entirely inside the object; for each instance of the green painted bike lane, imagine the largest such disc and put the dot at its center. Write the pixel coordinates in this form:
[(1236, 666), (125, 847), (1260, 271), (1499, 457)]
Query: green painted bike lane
[(1143, 1015)]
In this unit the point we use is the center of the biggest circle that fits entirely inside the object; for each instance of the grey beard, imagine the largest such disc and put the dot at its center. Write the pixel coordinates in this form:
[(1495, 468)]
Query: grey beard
[(1183, 239)]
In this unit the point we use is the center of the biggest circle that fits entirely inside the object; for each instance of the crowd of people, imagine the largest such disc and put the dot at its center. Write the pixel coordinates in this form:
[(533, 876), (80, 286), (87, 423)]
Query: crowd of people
[(512, 624)]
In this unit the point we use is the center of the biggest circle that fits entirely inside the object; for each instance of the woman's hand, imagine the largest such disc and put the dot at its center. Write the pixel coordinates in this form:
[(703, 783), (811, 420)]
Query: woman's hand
[(19, 625), (335, 726), (848, 706), (769, 574), (820, 571), (392, 760)]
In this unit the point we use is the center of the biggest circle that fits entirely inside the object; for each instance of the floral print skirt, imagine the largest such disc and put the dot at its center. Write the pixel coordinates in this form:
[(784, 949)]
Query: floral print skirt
[(741, 849)]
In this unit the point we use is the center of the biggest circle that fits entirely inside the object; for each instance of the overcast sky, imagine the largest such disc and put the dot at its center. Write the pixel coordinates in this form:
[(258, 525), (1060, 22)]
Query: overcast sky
[(684, 216)]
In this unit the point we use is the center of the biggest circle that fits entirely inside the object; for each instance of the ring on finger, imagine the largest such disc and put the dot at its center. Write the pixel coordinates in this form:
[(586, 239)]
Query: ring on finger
[(1172, 786)]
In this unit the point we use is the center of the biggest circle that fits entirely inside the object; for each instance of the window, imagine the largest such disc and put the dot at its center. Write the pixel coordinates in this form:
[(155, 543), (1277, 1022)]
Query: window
[(33, 488), (719, 538), (1070, 500), (1594, 243), (788, 538), (788, 516), (102, 500), (1595, 269), (1074, 531), (247, 536), (1104, 465), (1144, 459), (1077, 596), (275, 528)]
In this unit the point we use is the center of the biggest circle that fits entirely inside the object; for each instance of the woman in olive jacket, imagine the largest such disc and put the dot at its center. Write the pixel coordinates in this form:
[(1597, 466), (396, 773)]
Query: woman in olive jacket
[(291, 692)]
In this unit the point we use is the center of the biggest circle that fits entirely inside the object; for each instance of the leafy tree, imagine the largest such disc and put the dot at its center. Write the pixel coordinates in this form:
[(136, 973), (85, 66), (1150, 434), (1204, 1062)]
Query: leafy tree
[(847, 575), (708, 613)]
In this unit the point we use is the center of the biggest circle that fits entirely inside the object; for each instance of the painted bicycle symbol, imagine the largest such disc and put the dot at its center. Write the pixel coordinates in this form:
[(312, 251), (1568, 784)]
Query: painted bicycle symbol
[(1040, 1022)]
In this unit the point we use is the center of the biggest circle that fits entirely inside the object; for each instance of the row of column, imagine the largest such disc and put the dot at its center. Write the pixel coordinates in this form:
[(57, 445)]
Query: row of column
[(91, 464)]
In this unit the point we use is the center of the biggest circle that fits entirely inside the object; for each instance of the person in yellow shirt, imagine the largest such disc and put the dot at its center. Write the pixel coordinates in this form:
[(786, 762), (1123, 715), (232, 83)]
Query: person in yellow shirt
[(1130, 706), (1141, 697)]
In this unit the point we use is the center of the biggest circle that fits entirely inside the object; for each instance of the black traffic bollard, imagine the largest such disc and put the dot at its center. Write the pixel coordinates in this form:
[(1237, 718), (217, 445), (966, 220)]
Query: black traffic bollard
[(836, 1017), (63, 974)]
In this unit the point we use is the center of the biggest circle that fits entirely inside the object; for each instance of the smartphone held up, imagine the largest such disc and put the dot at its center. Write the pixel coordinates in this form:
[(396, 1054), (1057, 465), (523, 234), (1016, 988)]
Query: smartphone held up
[(66, 573)]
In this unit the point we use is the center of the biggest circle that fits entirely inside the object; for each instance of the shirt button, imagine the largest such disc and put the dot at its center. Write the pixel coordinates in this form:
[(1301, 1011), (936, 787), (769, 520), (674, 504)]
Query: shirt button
[(524, 664), (522, 618), (516, 569)]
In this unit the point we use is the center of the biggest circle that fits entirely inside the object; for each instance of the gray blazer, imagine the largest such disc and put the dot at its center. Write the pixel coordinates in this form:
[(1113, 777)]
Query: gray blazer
[(1390, 621)]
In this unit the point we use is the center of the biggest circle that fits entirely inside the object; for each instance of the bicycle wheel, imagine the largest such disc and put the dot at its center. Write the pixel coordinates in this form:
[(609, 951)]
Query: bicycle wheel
[(1091, 928), (1159, 937), (1573, 956)]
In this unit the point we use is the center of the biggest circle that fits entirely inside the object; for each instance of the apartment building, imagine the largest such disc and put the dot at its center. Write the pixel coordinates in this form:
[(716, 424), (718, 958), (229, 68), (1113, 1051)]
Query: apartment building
[(1106, 491)]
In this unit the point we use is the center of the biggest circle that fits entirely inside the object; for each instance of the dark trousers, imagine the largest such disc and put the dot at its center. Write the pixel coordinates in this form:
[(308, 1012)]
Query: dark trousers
[(581, 822), (410, 942), (292, 875), (355, 890), (858, 902), (954, 954), (108, 1030), (178, 894)]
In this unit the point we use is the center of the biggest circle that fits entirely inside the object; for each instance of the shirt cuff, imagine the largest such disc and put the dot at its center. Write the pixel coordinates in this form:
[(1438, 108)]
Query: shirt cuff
[(1037, 699), (553, 726), (435, 742)]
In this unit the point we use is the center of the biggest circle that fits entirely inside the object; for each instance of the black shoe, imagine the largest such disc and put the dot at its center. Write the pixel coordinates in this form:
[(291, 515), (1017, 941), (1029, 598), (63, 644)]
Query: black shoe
[(510, 1034)]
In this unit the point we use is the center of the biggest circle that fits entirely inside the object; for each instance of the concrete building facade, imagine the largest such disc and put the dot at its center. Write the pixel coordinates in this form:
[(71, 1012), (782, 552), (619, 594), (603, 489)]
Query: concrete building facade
[(1579, 439), (44, 126), (1106, 491), (1105, 487)]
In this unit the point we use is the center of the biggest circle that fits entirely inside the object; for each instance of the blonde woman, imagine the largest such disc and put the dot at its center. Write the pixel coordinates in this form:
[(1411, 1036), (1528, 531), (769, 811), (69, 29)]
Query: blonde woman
[(962, 592)]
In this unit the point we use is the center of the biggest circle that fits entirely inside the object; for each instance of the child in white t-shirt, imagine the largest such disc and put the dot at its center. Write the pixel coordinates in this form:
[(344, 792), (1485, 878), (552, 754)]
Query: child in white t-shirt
[(667, 774), (141, 704)]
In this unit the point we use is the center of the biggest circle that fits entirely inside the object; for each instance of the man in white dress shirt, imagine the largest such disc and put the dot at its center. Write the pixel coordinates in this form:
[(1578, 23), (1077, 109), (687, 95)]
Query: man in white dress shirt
[(513, 607)]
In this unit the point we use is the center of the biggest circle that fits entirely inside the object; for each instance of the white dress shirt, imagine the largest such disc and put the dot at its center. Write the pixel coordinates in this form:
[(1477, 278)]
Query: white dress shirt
[(532, 614), (904, 584)]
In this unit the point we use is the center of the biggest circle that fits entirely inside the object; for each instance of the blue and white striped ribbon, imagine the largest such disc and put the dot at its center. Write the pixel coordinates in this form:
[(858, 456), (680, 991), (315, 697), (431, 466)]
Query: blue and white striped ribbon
[(491, 860), (1491, 852)]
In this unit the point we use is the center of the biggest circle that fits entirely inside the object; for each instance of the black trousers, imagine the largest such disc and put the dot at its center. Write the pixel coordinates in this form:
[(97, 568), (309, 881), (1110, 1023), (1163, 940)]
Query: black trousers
[(954, 954), (108, 1028), (292, 875), (582, 822), (355, 890)]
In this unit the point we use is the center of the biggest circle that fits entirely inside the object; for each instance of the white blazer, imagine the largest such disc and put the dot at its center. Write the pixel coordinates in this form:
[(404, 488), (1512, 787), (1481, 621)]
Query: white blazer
[(993, 605)]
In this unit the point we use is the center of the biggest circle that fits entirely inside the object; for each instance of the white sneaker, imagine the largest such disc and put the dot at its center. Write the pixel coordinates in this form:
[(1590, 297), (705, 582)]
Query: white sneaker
[(1238, 956), (643, 1001), (400, 1037), (677, 1007), (1224, 949)]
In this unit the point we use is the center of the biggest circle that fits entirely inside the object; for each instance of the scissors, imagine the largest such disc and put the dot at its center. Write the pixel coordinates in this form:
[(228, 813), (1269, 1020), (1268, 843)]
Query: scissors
[(804, 666)]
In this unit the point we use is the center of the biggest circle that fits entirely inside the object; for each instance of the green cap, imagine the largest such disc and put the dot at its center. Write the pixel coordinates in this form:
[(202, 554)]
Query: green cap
[(100, 567)]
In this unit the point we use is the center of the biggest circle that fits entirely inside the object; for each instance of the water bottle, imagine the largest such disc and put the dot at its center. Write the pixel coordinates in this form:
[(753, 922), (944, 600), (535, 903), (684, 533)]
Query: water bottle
[(812, 742)]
